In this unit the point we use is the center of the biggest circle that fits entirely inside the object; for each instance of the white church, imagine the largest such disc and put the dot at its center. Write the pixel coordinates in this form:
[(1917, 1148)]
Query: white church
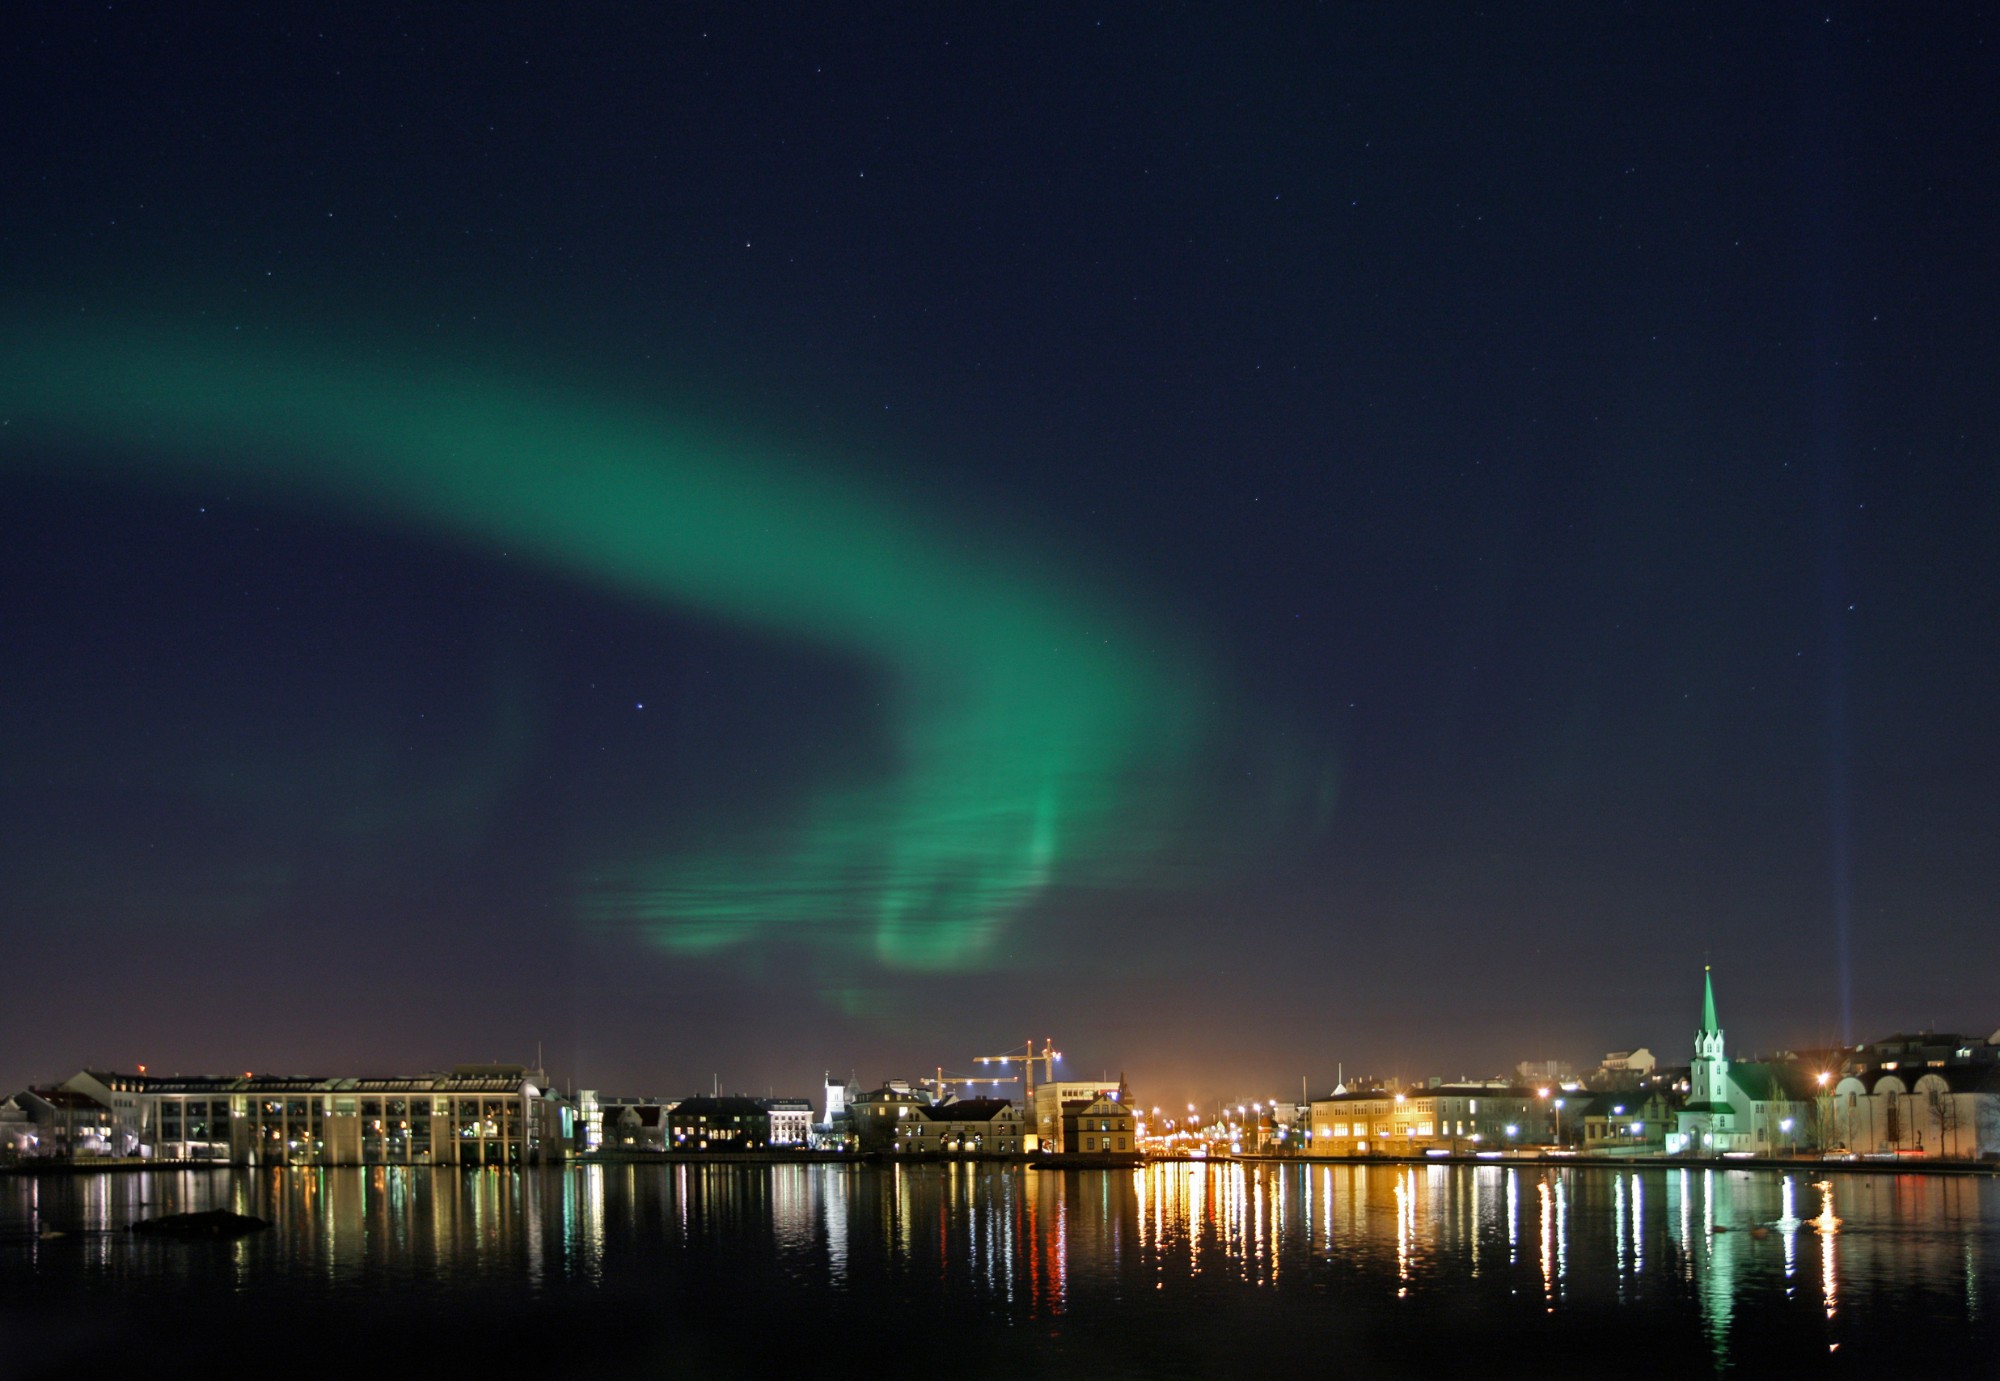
[(1741, 1108)]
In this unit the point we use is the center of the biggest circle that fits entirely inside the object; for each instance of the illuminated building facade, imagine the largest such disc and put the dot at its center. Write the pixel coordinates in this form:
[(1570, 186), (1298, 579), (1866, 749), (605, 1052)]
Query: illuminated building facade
[(1931, 1094), (57, 1122), (1052, 1100), (1740, 1107), (791, 1120), (718, 1124), (18, 1136), (1628, 1122), (834, 1131), (633, 1124), (836, 1101), (1450, 1117), (967, 1127), (879, 1113), (476, 1115), (1101, 1126)]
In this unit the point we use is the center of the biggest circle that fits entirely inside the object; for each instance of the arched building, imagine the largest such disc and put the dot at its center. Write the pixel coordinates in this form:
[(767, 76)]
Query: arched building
[(1919, 1096)]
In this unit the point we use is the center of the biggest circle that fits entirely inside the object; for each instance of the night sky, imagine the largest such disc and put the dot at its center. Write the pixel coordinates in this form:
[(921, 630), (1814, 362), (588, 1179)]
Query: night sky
[(744, 542)]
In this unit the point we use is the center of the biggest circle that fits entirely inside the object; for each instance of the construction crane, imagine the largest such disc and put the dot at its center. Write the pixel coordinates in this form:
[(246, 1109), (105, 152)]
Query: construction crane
[(1028, 1057), (943, 1081)]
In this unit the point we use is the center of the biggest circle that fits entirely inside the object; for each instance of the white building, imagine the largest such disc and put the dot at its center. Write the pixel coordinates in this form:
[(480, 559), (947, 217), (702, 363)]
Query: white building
[(1739, 1107), (475, 1115), (1929, 1094), (791, 1121)]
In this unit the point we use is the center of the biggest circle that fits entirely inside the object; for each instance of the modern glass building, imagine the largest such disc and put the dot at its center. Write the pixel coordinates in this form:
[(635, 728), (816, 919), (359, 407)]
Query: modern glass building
[(474, 1115)]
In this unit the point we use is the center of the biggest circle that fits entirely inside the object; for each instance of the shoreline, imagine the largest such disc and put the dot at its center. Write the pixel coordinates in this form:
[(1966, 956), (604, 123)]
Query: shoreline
[(1947, 1168), (1662, 1162)]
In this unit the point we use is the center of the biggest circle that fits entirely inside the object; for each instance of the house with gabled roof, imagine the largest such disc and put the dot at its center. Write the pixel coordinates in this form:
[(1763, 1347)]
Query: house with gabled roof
[(965, 1127), (1098, 1126)]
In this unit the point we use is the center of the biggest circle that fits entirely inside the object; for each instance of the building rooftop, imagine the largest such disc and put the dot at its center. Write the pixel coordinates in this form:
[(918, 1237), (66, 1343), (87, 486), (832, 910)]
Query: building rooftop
[(256, 1084), (968, 1110)]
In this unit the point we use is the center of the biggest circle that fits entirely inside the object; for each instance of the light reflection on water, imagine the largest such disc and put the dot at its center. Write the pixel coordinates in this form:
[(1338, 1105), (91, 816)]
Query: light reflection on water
[(1716, 1252)]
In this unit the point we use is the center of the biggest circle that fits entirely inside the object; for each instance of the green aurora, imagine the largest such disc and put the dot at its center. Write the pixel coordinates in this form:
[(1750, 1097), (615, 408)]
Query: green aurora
[(1043, 726)]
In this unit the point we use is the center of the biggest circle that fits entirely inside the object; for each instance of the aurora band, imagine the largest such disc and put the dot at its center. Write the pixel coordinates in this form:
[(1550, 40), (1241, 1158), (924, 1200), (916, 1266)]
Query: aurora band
[(1042, 726)]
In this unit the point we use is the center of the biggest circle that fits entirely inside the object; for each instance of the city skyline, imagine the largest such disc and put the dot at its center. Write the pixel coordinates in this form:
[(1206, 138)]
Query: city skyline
[(714, 545), (1000, 1075)]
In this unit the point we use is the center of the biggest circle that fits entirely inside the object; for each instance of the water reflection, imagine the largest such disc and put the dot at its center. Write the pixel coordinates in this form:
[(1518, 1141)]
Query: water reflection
[(1716, 1247), (1827, 1225)]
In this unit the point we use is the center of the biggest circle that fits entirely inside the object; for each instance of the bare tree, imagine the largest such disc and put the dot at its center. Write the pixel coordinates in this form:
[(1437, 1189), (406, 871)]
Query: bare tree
[(1944, 1111)]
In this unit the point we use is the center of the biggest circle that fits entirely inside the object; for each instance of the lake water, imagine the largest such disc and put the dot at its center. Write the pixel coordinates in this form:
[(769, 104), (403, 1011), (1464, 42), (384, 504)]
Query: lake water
[(1174, 1270)]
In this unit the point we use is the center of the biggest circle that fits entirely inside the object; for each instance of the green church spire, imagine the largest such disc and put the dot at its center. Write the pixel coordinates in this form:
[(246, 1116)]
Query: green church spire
[(1708, 1022)]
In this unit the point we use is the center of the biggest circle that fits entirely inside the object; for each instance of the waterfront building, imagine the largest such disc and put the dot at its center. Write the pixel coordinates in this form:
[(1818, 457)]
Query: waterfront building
[(1932, 1095), (18, 1137), (1053, 1100), (1097, 1126), (58, 1122), (965, 1127), (719, 1124), (1628, 1122), (835, 1129), (1353, 1122), (475, 1115), (122, 1095), (1448, 1117), (1289, 1119), (1740, 1107), (791, 1120), (633, 1124), (879, 1112)]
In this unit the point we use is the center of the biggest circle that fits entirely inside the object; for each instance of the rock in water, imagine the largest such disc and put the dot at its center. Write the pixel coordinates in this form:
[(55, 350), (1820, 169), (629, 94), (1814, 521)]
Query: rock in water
[(216, 1222)]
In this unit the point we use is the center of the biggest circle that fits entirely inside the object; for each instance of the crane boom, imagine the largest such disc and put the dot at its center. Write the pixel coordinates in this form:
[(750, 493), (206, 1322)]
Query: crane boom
[(1028, 1057), (942, 1081)]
